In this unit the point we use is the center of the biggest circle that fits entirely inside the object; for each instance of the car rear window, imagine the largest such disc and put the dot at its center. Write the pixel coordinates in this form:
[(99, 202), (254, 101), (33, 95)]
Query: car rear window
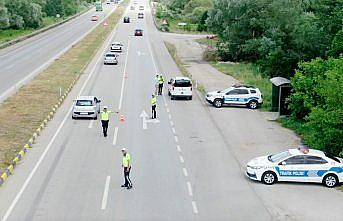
[(182, 83), (110, 55), (332, 157), (84, 103)]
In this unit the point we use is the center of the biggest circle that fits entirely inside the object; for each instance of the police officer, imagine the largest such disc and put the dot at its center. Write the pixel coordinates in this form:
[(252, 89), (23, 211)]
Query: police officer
[(157, 78), (160, 84), (153, 102), (104, 120), (126, 164)]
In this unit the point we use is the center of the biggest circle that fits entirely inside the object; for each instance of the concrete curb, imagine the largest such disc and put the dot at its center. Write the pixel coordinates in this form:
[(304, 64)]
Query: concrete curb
[(42, 30)]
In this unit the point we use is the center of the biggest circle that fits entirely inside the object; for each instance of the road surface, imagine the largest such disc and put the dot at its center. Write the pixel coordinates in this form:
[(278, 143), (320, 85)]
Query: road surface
[(183, 167)]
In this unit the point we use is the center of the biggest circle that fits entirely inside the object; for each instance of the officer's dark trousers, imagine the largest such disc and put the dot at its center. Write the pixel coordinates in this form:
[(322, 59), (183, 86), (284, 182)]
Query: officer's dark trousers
[(153, 111), (160, 87), (104, 127), (127, 177)]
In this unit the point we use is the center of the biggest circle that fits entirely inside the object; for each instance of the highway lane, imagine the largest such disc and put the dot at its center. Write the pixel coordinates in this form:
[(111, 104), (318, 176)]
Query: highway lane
[(27, 58)]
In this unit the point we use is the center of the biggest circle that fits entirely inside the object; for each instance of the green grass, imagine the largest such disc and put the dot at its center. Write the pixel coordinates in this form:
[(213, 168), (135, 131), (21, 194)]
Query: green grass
[(207, 42), (8, 35), (248, 74)]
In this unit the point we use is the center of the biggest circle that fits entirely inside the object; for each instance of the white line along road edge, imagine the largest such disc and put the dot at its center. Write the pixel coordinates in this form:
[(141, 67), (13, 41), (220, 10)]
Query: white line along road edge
[(33, 171)]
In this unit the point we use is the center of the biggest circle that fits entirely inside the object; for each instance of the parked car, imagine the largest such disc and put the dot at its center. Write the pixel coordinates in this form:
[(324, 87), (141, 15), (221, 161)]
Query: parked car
[(236, 95), (86, 107), (180, 87)]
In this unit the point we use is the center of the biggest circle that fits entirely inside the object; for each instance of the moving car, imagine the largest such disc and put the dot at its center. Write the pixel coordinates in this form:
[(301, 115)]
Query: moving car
[(140, 15), (126, 19), (111, 58), (132, 7), (141, 7), (297, 165), (138, 32), (180, 87), (236, 95), (116, 47), (86, 107), (108, 2), (94, 18)]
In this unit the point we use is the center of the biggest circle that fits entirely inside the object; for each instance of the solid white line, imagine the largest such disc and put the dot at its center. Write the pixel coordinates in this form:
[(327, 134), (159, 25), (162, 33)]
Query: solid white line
[(178, 148), (105, 196), (90, 125), (185, 173), (195, 208), (123, 80), (189, 187), (173, 129), (115, 136), (171, 123), (33, 171), (176, 139), (181, 159)]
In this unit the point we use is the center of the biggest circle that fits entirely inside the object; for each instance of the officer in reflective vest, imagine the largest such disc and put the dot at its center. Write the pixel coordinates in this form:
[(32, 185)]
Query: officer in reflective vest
[(153, 102), (104, 120), (160, 84), (126, 164)]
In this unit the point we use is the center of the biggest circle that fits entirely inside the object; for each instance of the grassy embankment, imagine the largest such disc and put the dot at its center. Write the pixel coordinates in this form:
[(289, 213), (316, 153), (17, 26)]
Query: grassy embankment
[(22, 113)]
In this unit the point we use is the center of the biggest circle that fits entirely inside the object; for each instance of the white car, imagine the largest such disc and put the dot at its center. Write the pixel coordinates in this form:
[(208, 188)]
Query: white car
[(180, 87), (116, 47), (141, 7), (297, 165), (111, 58), (236, 95), (86, 107)]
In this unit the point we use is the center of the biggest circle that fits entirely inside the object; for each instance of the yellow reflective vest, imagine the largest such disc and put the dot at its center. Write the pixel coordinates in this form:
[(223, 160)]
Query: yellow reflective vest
[(153, 101), (105, 115), (127, 160)]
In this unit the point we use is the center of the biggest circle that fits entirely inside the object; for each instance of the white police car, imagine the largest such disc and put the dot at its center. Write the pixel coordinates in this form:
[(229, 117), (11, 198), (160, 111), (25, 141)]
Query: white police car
[(236, 95), (297, 165)]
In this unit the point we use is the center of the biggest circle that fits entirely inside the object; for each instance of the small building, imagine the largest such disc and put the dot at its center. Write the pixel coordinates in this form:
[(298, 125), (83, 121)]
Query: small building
[(280, 92)]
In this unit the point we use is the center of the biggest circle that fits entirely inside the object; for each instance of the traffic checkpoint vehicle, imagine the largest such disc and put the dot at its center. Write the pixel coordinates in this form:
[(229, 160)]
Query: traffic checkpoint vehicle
[(116, 47), (297, 165), (180, 87), (237, 95), (86, 107)]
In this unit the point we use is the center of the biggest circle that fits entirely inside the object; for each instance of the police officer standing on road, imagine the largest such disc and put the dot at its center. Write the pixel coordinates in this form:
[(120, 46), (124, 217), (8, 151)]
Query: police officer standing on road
[(153, 102), (157, 78), (127, 169), (160, 84), (104, 120)]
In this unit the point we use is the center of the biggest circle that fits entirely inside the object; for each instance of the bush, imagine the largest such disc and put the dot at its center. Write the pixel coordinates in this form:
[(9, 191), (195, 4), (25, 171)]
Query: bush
[(209, 54)]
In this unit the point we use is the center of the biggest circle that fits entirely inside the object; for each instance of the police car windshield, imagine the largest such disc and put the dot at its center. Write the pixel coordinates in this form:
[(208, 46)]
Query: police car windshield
[(84, 103), (279, 156)]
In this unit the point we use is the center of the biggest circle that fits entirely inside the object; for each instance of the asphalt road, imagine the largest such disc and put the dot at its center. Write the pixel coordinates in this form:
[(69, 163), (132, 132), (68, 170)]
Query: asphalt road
[(22, 61), (183, 167)]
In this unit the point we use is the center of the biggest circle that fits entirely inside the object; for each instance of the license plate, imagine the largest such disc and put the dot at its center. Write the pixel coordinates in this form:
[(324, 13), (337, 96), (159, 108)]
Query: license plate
[(83, 113)]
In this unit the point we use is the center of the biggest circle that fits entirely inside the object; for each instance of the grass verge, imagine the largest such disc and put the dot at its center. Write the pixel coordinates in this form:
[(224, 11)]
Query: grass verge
[(248, 74), (22, 113)]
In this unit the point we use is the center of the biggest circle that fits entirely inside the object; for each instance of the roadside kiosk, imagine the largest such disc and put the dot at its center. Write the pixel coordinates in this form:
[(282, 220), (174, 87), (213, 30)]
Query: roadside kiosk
[(280, 92)]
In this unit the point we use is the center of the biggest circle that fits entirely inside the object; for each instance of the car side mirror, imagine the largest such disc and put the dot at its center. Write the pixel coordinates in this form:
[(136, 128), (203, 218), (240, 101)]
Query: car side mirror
[(283, 163)]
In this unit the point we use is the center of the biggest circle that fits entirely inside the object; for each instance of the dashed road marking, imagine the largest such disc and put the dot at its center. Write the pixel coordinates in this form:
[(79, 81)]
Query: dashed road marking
[(169, 116), (181, 159), (195, 208), (167, 109), (105, 195), (115, 136), (171, 123), (173, 129), (90, 125), (189, 187), (176, 139), (178, 148), (185, 172)]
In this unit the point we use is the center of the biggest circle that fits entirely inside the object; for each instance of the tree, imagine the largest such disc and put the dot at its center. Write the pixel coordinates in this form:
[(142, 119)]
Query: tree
[(4, 16)]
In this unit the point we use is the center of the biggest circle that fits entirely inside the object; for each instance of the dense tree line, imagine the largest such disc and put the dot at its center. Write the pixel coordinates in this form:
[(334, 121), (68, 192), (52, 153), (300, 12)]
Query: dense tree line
[(19, 14)]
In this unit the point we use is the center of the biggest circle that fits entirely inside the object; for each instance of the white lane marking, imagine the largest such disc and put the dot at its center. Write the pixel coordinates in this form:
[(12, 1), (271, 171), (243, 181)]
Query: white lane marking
[(167, 109), (90, 125), (171, 123), (173, 129), (181, 159), (33, 171), (105, 195), (176, 139), (185, 173), (169, 115), (115, 136), (195, 208), (189, 187), (178, 148), (124, 74), (150, 50)]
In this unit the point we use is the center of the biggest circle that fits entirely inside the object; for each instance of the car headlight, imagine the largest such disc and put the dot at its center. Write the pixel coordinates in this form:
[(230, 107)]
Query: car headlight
[(255, 167), (209, 95)]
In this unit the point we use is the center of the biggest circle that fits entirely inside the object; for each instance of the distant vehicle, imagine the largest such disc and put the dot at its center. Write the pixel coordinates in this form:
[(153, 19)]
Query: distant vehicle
[(141, 7), (94, 18), (180, 87), (111, 58), (236, 95), (98, 6), (86, 107), (108, 2), (297, 165), (140, 15), (116, 47), (132, 7), (126, 19), (138, 32)]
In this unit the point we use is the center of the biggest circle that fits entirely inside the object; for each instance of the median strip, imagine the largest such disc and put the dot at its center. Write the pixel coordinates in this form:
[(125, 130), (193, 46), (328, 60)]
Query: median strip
[(24, 115)]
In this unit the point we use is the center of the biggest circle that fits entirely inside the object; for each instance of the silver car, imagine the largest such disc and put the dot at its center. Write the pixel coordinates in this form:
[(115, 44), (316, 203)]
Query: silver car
[(111, 58), (86, 107)]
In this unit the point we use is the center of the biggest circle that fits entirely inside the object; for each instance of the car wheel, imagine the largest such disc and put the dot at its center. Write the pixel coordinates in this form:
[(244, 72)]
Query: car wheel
[(72, 117), (96, 117), (330, 180), (252, 104), (190, 98), (172, 97), (169, 94), (218, 103), (269, 178)]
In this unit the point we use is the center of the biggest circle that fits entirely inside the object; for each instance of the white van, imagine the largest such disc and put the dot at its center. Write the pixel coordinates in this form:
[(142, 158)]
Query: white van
[(180, 87)]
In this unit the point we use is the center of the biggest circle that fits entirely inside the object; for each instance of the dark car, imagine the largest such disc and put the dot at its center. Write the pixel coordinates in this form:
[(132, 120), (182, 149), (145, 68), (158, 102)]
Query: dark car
[(138, 32), (140, 15), (126, 19)]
